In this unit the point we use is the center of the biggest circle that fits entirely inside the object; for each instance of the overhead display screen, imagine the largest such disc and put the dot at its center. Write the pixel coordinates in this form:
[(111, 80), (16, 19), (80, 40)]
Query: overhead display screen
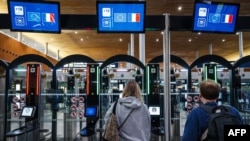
[(215, 17), (121, 17), (34, 16)]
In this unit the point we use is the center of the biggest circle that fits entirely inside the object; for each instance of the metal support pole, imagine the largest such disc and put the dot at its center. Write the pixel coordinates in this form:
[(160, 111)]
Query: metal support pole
[(166, 64), (132, 44), (46, 48), (132, 47), (196, 54), (241, 44), (58, 51), (19, 36), (54, 111), (142, 47), (210, 48)]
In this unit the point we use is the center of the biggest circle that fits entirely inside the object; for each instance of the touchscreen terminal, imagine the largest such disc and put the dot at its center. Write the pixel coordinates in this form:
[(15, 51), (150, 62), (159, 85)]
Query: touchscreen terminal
[(154, 110), (91, 111), (28, 111)]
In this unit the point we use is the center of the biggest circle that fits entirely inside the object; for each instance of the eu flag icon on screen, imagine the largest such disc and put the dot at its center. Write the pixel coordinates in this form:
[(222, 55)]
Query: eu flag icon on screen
[(214, 18), (241, 132), (119, 17)]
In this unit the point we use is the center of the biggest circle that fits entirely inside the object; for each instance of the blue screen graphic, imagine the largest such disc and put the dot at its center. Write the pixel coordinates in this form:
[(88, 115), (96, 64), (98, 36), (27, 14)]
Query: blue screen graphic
[(215, 17), (91, 111), (34, 16), (121, 17)]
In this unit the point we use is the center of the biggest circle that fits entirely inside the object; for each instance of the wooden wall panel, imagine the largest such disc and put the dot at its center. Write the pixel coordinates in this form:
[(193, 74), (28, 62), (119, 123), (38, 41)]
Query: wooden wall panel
[(10, 49)]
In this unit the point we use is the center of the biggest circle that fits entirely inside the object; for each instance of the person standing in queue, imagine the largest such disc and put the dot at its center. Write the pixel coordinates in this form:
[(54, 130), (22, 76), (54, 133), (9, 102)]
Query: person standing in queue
[(197, 119), (138, 124)]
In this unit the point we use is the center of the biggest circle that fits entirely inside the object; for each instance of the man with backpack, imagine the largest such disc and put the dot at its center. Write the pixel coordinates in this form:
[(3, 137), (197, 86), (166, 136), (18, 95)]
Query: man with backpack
[(200, 121)]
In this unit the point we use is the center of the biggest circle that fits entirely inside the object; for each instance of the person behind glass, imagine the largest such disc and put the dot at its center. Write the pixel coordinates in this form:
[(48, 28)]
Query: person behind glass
[(197, 120), (137, 126)]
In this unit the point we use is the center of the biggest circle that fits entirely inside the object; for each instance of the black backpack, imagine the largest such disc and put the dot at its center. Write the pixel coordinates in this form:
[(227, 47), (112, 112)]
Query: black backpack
[(219, 116)]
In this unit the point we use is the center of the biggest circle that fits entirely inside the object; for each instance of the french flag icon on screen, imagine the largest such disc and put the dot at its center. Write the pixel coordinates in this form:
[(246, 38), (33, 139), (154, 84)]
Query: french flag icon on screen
[(49, 17), (227, 18), (133, 17)]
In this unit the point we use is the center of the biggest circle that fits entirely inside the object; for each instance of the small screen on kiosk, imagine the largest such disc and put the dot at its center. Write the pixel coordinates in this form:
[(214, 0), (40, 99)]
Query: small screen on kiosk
[(215, 17), (28, 111), (154, 110), (121, 87), (18, 87), (91, 111)]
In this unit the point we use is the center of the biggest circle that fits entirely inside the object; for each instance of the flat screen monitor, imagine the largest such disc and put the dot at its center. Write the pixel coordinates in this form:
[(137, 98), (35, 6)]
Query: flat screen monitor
[(28, 111), (18, 87), (121, 87), (121, 16), (215, 17), (91, 111), (154, 110), (33, 16)]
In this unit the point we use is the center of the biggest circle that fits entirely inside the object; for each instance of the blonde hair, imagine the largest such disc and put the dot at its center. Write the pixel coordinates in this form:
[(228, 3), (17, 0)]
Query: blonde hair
[(132, 88)]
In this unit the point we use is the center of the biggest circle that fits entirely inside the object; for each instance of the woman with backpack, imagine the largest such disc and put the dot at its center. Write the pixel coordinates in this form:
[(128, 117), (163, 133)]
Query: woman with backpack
[(132, 114)]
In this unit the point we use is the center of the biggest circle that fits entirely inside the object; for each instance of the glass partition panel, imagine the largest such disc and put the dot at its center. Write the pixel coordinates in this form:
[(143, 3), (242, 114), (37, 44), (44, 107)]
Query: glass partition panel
[(2, 102), (62, 115), (51, 114), (16, 101), (242, 98)]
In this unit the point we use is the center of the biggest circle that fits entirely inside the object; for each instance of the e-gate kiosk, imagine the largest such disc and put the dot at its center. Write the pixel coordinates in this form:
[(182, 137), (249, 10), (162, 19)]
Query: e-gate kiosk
[(33, 89), (82, 102), (115, 73), (30, 129), (155, 100), (92, 100), (210, 72)]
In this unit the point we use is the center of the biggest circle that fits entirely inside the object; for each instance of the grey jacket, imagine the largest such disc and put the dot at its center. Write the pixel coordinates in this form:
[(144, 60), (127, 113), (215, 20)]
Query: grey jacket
[(138, 125)]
